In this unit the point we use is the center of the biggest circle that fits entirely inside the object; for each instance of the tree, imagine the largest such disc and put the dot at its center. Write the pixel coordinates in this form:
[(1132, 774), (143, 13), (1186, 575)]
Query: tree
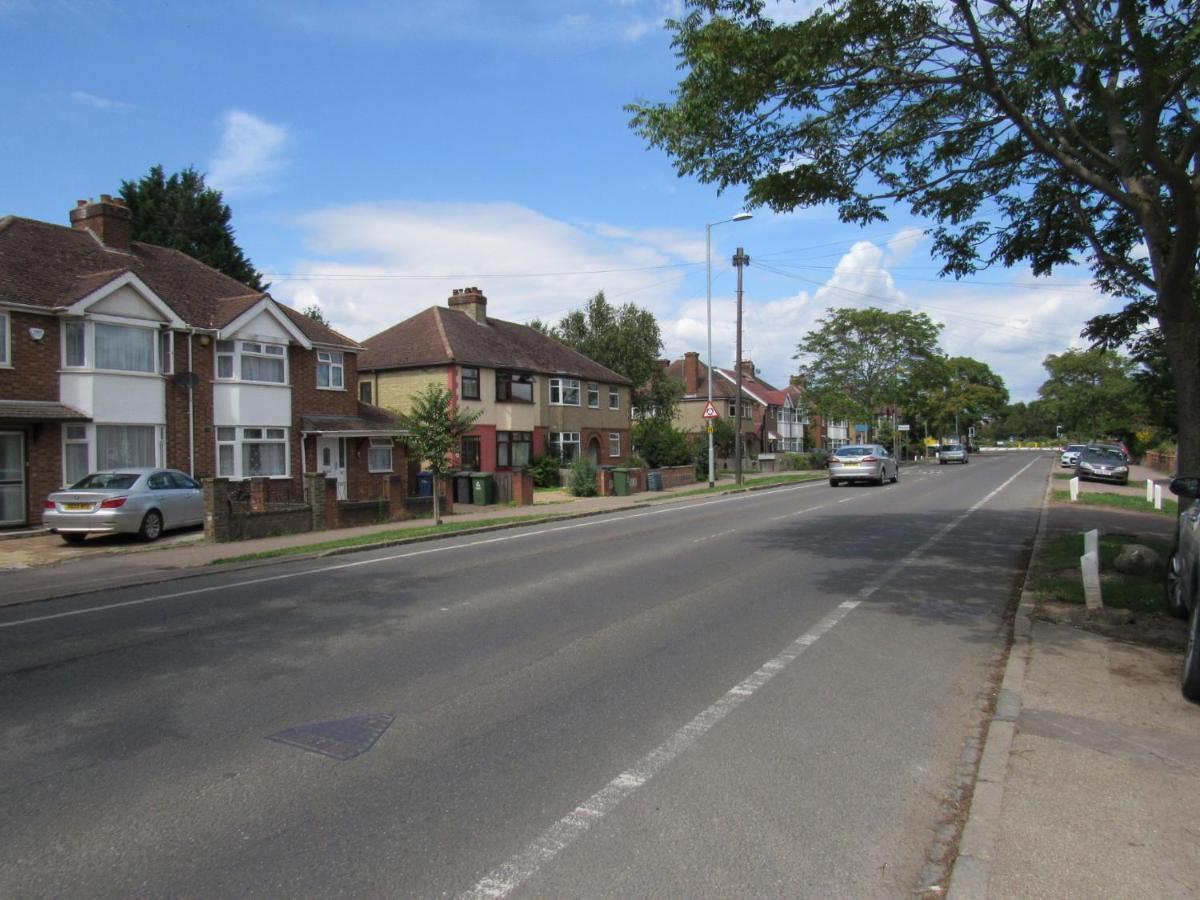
[(972, 390), (861, 361), (437, 427), (314, 312), (1092, 394), (627, 340), (182, 213), (1049, 133)]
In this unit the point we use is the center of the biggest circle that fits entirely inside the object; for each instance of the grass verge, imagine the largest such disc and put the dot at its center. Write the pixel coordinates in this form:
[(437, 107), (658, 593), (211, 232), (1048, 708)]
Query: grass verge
[(1056, 575), (1120, 501), (757, 481)]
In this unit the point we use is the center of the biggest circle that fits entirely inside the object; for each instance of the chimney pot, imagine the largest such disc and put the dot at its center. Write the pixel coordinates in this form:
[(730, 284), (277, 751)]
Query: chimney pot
[(109, 221), (470, 301)]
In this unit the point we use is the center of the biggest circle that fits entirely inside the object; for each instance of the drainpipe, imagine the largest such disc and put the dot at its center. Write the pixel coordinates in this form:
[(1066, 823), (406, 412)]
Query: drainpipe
[(191, 410)]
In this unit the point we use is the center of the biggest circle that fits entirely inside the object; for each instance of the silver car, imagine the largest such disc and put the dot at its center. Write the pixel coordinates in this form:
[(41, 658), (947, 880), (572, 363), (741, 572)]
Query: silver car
[(138, 501), (862, 462), (949, 453), (1183, 578)]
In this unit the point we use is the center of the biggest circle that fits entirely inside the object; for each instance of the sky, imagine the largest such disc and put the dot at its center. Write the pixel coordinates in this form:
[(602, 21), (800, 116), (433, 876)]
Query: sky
[(378, 154)]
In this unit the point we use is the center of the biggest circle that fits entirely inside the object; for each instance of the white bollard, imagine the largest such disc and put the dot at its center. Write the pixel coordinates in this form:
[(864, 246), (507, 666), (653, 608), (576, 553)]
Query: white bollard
[(1149, 490), (1091, 542), (1074, 483), (1158, 496), (1089, 565)]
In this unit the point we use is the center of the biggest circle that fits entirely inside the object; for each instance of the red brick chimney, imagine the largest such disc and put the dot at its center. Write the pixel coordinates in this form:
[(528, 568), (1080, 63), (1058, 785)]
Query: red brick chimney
[(691, 372), (471, 301), (110, 221), (747, 368)]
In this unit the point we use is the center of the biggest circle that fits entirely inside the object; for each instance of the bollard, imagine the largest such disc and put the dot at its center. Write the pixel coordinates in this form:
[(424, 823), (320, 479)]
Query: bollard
[(1158, 496), (1074, 482), (1089, 565), (1149, 490), (1091, 542)]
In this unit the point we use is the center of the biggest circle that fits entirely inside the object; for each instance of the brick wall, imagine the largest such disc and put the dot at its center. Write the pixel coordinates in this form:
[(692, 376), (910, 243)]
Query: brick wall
[(180, 453), (35, 364)]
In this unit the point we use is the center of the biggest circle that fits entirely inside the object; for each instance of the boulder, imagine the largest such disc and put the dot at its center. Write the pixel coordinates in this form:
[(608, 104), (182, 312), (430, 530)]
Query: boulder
[(1137, 558)]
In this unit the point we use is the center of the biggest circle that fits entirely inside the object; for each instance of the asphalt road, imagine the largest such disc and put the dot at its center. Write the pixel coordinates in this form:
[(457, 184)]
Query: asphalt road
[(765, 694)]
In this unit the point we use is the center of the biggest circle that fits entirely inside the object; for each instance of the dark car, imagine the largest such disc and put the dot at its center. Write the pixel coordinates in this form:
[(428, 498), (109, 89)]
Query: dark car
[(1183, 578), (1098, 462)]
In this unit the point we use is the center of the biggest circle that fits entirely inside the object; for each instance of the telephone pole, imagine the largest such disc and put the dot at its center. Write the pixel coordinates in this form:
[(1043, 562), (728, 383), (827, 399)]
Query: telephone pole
[(740, 261)]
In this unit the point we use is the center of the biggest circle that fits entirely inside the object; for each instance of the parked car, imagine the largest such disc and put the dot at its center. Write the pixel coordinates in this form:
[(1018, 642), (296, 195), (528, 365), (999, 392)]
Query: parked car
[(1102, 463), (862, 462), (1070, 456), (949, 453), (1183, 579), (145, 502)]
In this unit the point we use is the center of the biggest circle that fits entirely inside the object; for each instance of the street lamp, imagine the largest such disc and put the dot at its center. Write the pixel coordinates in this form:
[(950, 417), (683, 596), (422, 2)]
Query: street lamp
[(740, 217)]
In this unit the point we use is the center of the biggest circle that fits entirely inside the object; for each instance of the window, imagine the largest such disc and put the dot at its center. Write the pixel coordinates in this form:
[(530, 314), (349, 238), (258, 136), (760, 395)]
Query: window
[(614, 444), (125, 445), (263, 452), (593, 395), (74, 354), (379, 455), (470, 454), (123, 348), (331, 370), (514, 387), (75, 453), (614, 397), (564, 391), (5, 329), (565, 444), (166, 341), (470, 383), (364, 391), (252, 361), (513, 448)]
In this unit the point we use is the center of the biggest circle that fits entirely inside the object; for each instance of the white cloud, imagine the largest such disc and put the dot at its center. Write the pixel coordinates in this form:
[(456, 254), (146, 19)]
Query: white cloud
[(251, 153), (96, 102)]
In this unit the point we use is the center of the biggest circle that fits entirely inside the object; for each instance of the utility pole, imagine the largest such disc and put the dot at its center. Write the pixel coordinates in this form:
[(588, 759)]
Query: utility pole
[(740, 261)]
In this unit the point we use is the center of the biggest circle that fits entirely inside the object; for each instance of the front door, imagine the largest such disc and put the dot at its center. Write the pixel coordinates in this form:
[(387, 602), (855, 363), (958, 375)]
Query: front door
[(331, 459), (12, 478)]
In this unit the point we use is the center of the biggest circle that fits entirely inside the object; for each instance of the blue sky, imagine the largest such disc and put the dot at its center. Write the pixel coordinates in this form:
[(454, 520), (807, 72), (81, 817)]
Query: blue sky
[(378, 154)]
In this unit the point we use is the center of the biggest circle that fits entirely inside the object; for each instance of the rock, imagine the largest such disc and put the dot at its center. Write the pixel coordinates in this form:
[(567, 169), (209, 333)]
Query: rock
[(1137, 558)]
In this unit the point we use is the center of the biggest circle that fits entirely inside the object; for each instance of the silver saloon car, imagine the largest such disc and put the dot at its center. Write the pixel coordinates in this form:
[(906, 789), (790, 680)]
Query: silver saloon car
[(862, 462), (953, 453), (138, 501)]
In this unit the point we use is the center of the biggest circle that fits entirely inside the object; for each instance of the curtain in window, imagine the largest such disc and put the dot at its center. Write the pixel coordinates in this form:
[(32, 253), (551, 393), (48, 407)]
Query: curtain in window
[(258, 368), (124, 349), (73, 338), (124, 445), (264, 459)]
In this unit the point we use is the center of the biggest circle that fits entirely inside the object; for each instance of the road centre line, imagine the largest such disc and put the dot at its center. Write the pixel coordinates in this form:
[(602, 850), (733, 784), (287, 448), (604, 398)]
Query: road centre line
[(506, 878), (513, 536)]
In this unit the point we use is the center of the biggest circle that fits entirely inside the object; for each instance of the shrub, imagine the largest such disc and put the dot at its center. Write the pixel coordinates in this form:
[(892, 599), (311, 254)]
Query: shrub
[(583, 478), (661, 444), (545, 471)]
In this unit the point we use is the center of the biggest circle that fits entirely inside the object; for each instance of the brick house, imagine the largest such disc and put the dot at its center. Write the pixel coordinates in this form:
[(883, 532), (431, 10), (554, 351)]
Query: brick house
[(759, 412), (536, 397), (116, 353)]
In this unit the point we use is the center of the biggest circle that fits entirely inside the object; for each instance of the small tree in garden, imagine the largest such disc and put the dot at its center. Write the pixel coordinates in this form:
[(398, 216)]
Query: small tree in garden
[(436, 427), (583, 478)]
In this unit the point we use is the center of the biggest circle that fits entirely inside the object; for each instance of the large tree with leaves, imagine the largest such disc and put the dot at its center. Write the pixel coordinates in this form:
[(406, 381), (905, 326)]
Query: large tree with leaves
[(436, 427), (1046, 132), (181, 212), (1092, 394), (861, 361)]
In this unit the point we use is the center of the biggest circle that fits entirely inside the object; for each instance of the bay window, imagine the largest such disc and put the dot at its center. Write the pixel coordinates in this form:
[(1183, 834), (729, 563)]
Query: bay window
[(5, 330), (252, 361), (90, 448), (124, 349), (252, 452), (75, 453)]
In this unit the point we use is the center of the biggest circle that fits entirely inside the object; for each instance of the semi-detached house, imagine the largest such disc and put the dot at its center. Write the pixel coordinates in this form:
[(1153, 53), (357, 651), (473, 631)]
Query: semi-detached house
[(115, 352), (535, 396)]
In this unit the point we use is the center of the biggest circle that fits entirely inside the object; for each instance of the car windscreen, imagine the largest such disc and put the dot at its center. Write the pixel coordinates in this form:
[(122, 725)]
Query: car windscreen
[(952, 446), (1075, 448), (1103, 455), (111, 481), (852, 451)]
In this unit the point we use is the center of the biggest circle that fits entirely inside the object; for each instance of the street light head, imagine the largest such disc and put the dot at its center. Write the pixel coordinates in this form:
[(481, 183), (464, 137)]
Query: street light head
[(742, 217)]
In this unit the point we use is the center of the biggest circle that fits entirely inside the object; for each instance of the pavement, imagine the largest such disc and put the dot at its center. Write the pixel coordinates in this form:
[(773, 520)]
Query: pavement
[(1089, 781)]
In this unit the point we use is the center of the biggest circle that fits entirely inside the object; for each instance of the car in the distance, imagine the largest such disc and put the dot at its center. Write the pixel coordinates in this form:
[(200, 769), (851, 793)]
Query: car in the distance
[(1098, 462), (140, 501), (862, 462), (949, 453), (1183, 578), (1070, 455)]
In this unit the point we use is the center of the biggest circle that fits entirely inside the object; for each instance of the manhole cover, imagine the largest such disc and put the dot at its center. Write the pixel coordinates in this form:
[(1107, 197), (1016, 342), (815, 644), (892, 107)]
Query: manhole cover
[(341, 739)]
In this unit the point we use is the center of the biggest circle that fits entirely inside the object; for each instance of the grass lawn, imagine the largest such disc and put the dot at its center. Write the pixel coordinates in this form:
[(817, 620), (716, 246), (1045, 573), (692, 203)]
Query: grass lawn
[(1121, 501), (1056, 575)]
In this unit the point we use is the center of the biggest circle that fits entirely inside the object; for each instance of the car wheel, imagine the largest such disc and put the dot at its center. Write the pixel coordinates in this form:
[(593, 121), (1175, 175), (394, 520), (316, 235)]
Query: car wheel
[(71, 537), (1174, 585), (1190, 681), (896, 475), (151, 528), (942, 461)]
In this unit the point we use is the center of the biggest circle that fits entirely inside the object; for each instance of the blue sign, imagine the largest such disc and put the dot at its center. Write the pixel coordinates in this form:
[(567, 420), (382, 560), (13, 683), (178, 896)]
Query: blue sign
[(862, 429)]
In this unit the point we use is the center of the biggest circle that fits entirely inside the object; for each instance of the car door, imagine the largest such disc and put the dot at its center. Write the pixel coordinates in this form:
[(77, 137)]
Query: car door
[(189, 498), (162, 492)]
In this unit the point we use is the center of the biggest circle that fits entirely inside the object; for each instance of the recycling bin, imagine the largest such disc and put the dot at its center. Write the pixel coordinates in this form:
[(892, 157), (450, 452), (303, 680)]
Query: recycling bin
[(483, 488), (654, 480), (462, 487), (424, 484), (621, 482)]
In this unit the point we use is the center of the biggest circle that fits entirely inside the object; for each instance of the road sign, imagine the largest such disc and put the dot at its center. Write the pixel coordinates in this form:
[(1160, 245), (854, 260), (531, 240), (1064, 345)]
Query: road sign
[(710, 412), (709, 428), (903, 427)]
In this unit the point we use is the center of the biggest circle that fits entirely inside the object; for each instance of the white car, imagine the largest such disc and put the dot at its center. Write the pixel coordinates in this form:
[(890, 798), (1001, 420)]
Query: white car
[(1070, 456)]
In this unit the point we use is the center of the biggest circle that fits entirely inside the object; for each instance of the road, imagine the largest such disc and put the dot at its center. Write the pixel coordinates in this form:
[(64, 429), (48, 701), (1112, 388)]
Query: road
[(763, 694)]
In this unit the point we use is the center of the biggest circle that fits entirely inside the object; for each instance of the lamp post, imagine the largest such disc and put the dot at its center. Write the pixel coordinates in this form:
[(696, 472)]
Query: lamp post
[(740, 217)]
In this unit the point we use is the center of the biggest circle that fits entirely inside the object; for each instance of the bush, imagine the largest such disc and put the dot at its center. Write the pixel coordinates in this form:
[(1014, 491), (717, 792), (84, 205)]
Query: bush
[(661, 444), (545, 471), (583, 478)]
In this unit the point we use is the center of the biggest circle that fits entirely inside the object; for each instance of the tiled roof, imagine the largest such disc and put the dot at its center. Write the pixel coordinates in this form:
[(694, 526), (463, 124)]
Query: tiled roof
[(440, 335), (40, 411), (53, 266), (721, 389), (370, 420)]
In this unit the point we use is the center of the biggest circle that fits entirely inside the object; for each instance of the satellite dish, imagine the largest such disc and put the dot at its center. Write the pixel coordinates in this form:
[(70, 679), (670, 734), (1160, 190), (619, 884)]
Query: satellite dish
[(186, 379)]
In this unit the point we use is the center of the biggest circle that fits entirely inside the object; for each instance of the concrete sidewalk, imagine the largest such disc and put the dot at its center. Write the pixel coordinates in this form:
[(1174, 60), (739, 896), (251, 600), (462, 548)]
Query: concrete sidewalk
[(1089, 783), (41, 566)]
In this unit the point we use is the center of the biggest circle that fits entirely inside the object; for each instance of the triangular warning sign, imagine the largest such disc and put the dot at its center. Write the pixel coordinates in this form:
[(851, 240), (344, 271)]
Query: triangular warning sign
[(710, 411)]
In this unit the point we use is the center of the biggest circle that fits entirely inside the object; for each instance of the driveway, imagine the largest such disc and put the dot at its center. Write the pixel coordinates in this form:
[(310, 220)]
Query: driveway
[(45, 549)]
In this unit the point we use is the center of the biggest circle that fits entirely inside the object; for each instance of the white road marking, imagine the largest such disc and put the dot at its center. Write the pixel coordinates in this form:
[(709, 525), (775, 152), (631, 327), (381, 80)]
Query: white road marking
[(518, 868)]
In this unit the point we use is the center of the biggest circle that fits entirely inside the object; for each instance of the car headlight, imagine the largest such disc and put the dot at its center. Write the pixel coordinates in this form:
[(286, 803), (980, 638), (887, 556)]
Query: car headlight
[(1121, 469), (1086, 465)]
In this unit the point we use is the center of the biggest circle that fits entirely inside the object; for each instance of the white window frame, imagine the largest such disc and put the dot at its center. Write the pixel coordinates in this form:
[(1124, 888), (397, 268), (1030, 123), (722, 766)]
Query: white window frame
[(562, 390), (333, 362), (67, 327), (379, 445), (76, 441), (238, 436), (88, 331), (560, 439), (5, 341), (242, 348), (166, 352), (89, 441), (614, 397), (593, 395), (614, 441)]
